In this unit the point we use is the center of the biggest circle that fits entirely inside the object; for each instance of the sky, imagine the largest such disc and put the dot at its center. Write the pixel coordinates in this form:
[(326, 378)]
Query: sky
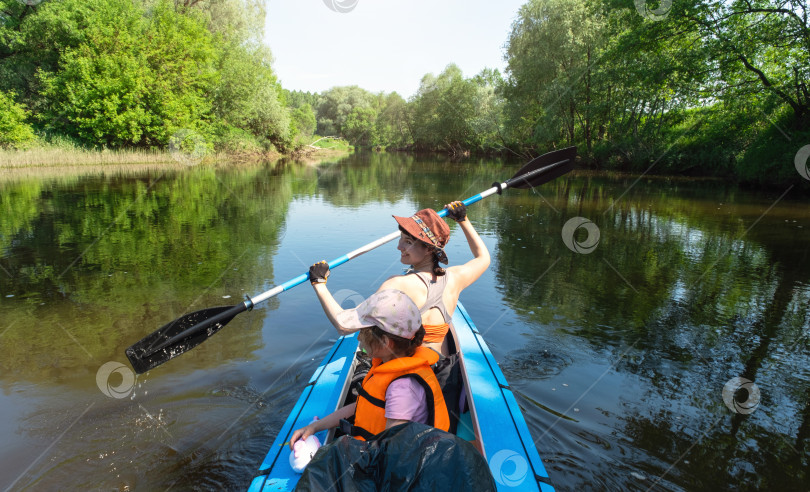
[(384, 45)]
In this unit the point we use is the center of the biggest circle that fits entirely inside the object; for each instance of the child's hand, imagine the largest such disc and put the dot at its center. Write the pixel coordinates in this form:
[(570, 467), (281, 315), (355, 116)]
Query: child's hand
[(301, 434), (304, 432), (303, 446)]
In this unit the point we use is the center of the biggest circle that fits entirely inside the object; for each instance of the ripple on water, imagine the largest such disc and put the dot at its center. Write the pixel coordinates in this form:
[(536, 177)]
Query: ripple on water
[(534, 362), (243, 393)]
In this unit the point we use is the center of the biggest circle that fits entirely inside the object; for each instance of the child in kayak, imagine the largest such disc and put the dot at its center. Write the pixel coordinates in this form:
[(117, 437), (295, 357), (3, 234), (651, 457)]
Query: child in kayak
[(423, 238), (400, 386)]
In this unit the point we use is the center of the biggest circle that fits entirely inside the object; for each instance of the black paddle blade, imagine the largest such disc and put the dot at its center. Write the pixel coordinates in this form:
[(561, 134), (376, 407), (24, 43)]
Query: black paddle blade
[(179, 336), (544, 168)]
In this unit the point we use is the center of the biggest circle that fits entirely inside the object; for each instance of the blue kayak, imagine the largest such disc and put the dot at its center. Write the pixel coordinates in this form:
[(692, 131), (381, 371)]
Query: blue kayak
[(496, 420)]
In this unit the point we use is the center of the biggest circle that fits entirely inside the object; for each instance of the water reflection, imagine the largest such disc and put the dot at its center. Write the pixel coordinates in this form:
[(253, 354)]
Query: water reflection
[(97, 262), (703, 289)]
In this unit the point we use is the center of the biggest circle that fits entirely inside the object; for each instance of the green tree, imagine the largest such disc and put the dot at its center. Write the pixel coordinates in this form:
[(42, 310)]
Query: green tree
[(296, 99), (303, 118), (248, 95), (360, 127), (759, 47), (759, 76), (487, 122), (336, 104), (692, 90), (443, 110), (645, 90), (125, 73), (135, 78), (549, 64), (233, 20), (393, 122), (33, 37), (14, 130)]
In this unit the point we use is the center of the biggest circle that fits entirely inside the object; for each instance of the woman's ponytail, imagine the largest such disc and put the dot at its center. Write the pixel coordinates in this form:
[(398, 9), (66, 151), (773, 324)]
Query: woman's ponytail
[(437, 270)]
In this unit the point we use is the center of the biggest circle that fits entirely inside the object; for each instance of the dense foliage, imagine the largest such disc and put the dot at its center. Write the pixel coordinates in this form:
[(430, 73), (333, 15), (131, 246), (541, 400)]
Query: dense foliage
[(118, 73), (14, 131), (692, 89)]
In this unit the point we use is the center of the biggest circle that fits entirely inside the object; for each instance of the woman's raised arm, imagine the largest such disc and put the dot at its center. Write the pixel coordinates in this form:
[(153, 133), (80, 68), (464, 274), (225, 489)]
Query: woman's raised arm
[(469, 272)]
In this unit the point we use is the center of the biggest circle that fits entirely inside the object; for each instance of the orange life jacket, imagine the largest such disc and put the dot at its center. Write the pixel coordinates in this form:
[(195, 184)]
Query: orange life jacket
[(369, 417)]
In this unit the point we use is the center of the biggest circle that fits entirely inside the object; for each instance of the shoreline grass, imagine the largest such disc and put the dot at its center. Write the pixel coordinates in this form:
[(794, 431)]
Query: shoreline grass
[(68, 161), (77, 158), (70, 157)]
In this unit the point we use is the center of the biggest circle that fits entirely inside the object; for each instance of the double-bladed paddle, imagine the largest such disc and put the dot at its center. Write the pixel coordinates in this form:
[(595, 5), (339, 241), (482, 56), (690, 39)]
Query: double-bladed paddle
[(190, 330)]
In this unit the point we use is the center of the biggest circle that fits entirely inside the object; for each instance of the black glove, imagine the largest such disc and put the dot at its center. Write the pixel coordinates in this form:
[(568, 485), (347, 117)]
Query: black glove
[(457, 211), (318, 273)]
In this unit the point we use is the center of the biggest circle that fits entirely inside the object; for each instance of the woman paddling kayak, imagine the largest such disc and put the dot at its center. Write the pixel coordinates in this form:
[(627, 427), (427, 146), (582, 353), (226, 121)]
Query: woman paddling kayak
[(433, 288)]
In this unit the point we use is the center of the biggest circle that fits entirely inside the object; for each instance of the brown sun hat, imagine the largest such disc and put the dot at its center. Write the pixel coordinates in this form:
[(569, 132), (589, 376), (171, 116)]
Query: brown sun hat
[(426, 226)]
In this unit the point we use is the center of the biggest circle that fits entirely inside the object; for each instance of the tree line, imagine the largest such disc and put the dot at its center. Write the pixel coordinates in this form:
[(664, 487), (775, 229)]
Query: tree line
[(704, 87), (697, 87)]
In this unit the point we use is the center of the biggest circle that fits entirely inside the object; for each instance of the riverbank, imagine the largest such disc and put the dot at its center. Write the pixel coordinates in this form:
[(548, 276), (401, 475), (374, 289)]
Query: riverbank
[(70, 164), (59, 157)]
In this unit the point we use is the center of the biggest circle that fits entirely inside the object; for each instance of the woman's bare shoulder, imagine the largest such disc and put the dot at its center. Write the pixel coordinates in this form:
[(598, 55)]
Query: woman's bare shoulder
[(394, 281), (401, 282)]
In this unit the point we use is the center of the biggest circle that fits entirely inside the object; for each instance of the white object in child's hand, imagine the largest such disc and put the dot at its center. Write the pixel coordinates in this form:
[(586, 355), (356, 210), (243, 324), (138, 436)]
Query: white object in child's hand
[(303, 451)]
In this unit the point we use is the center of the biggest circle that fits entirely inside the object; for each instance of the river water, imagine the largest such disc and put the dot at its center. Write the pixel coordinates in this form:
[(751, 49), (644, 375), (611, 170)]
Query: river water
[(619, 308)]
